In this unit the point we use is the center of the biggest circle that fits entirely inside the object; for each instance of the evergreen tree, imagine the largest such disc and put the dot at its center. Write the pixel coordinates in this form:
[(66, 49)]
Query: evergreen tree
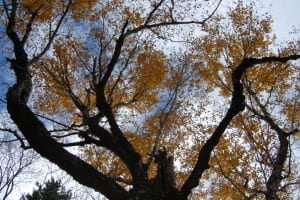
[(52, 190)]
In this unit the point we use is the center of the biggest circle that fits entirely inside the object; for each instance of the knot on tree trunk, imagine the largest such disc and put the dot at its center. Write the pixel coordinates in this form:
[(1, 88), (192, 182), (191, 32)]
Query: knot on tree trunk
[(20, 92)]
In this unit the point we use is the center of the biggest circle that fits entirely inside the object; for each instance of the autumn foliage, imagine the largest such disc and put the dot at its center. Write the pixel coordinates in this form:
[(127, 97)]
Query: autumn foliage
[(163, 99)]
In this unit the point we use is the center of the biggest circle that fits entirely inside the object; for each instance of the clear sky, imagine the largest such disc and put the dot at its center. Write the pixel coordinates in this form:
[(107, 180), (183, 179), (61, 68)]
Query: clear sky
[(286, 15)]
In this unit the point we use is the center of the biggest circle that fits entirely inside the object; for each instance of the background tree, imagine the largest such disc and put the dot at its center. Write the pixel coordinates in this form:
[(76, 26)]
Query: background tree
[(15, 162), (103, 78), (52, 190)]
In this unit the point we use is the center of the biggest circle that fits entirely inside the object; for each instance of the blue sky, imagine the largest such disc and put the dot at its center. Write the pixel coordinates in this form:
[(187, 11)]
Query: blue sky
[(5, 75)]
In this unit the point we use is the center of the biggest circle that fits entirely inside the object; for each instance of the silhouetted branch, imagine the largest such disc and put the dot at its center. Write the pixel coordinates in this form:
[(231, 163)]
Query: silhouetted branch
[(236, 106), (18, 138)]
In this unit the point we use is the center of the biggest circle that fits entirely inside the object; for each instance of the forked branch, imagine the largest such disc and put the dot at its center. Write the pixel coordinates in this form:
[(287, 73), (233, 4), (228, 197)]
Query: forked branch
[(236, 106)]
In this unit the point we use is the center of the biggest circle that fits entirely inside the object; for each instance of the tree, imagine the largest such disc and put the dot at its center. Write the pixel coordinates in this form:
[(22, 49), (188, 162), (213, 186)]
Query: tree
[(134, 107), (53, 190), (245, 36), (15, 163)]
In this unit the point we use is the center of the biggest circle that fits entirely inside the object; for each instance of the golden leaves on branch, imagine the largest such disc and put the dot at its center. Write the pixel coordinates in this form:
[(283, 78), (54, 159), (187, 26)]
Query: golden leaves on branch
[(34, 4), (49, 9), (133, 17), (60, 75), (147, 78), (151, 70), (46, 10), (81, 8), (106, 162)]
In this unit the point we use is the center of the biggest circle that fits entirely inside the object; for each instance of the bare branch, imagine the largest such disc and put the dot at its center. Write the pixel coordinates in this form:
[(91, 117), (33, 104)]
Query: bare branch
[(155, 7), (146, 25), (67, 127), (213, 12), (18, 138)]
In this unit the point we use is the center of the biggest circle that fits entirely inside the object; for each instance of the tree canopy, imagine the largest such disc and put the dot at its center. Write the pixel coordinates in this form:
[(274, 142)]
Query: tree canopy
[(162, 99)]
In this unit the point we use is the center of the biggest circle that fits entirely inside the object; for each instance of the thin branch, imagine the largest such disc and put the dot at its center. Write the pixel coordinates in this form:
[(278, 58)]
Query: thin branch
[(146, 25), (162, 24), (78, 133), (6, 8), (53, 35), (3, 101), (18, 138), (162, 120), (213, 12), (121, 180), (230, 179), (72, 144), (29, 25), (155, 7), (289, 184), (59, 123)]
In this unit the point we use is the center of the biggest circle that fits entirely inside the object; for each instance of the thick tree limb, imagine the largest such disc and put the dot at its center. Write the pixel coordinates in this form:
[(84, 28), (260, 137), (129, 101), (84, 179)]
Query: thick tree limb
[(275, 179), (39, 138), (122, 147), (237, 105), (35, 132)]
